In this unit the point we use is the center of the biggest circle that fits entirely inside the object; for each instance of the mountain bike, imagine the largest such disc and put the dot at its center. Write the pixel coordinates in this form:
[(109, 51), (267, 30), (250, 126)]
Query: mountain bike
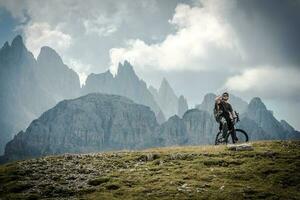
[(241, 135)]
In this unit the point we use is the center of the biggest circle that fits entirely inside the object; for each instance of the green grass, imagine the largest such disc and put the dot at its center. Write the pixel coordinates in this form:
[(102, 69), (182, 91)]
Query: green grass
[(270, 171)]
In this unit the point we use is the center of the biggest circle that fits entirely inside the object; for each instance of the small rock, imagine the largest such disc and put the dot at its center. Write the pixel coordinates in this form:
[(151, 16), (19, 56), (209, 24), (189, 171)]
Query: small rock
[(184, 185), (240, 147)]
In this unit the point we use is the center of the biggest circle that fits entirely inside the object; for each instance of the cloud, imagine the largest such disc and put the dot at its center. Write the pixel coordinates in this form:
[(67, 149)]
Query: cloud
[(91, 27), (267, 82), (101, 26), (41, 34), (200, 34), (82, 69)]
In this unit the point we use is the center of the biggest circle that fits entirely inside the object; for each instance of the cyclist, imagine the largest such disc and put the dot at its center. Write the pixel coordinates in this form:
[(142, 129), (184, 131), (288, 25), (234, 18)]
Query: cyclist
[(224, 115)]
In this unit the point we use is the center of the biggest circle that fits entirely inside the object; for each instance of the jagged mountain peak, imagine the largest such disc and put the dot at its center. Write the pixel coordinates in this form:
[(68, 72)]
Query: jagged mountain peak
[(125, 69), (166, 89), (256, 103), (4, 49), (16, 54), (49, 54), (5, 46), (17, 41), (165, 84), (167, 99)]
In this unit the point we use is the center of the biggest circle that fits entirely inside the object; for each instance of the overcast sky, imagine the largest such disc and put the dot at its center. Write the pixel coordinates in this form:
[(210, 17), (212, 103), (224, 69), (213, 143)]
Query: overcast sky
[(250, 48)]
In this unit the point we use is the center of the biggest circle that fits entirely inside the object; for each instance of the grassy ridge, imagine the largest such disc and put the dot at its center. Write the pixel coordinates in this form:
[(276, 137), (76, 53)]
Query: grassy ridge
[(270, 171)]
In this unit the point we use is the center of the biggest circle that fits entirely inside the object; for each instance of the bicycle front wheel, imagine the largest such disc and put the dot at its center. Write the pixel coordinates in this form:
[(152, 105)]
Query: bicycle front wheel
[(241, 136), (219, 139)]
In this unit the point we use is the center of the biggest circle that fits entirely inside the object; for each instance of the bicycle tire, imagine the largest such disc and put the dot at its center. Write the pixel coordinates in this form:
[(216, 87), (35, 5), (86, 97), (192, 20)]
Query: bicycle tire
[(218, 137), (240, 134)]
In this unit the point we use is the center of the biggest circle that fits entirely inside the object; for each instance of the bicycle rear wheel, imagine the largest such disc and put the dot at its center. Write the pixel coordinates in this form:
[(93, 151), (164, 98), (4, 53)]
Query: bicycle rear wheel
[(241, 135), (219, 139)]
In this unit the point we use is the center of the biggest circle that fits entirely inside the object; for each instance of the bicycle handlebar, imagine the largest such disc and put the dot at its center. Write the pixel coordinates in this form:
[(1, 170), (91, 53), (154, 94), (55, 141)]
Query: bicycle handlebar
[(237, 116)]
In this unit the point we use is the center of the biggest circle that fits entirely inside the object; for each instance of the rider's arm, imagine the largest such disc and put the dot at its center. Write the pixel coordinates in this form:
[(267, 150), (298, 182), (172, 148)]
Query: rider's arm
[(217, 102), (231, 112), (218, 99)]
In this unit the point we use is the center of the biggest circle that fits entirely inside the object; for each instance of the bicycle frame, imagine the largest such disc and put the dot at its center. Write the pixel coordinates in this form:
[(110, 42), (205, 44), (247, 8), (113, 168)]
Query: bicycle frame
[(236, 120)]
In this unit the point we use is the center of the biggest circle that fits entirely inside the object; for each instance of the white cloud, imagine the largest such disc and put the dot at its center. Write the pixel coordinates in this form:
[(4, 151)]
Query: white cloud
[(102, 26), (267, 82), (200, 30), (82, 69), (41, 34)]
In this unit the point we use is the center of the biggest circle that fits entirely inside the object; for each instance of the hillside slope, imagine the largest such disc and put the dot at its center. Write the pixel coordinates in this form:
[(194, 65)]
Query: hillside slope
[(270, 171)]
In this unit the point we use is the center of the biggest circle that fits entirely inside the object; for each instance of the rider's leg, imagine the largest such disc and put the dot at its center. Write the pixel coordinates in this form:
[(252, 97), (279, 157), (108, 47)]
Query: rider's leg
[(224, 126), (220, 126), (231, 129), (229, 122)]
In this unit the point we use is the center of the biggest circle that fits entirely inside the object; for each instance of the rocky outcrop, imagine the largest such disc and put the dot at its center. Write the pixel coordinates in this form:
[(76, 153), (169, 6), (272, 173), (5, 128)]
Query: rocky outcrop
[(103, 82), (95, 122), (172, 132), (201, 127), (195, 128)]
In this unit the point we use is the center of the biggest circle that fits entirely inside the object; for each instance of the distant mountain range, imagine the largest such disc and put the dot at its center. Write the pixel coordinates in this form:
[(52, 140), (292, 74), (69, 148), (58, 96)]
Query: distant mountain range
[(102, 122), (29, 87)]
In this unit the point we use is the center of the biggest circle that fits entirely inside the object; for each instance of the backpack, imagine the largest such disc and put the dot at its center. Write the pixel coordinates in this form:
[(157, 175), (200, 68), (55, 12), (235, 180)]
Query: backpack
[(217, 113)]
